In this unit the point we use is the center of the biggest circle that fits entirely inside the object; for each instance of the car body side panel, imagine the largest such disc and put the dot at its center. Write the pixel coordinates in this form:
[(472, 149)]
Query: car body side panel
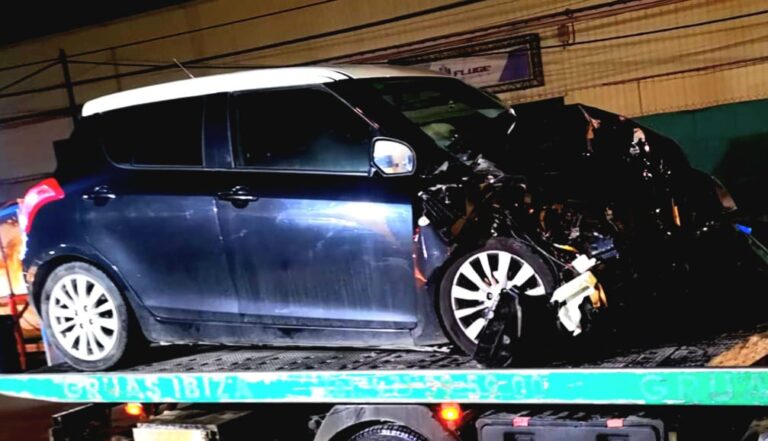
[(190, 331), (56, 231), (40, 266), (56, 238)]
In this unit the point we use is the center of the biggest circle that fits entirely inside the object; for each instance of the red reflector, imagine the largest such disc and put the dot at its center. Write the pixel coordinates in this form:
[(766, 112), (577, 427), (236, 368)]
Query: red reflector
[(134, 409), (450, 412), (615, 423), (42, 193), (521, 421)]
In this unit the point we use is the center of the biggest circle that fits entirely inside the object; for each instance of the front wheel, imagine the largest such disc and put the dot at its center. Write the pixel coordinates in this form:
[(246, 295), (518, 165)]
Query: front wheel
[(85, 317), (472, 285)]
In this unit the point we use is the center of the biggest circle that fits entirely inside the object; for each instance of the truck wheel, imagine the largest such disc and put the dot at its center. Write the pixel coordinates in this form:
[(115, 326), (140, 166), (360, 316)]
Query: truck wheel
[(85, 317), (472, 285), (388, 432)]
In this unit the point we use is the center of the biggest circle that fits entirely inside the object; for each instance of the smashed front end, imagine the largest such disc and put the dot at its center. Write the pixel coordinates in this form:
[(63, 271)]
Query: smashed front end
[(613, 207)]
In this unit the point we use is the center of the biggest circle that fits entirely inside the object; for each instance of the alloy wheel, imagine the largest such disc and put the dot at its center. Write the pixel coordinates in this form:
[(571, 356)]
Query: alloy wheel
[(83, 317), (480, 281)]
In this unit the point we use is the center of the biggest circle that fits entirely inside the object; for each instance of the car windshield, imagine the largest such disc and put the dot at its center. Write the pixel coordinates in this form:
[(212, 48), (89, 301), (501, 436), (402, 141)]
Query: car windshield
[(459, 118)]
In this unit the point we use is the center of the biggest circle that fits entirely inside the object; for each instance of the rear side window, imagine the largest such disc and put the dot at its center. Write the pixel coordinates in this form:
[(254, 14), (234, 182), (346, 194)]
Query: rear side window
[(299, 129), (167, 134)]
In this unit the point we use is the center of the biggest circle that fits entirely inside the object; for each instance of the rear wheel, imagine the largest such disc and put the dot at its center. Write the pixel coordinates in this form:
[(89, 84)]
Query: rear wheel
[(86, 317), (388, 432), (472, 285)]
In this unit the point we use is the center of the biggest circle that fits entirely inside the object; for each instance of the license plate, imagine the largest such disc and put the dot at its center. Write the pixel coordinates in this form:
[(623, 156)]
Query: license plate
[(170, 434)]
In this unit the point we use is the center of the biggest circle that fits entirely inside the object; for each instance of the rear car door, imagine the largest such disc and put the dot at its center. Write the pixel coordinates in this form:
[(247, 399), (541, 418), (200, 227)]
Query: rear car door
[(314, 239), (152, 214)]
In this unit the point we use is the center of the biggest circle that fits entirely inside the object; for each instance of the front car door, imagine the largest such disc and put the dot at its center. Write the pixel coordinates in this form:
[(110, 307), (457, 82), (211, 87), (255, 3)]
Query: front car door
[(314, 239)]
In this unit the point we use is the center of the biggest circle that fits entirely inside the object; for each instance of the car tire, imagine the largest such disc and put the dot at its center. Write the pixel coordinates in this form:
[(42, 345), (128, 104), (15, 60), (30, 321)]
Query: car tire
[(521, 260), (388, 432), (86, 318)]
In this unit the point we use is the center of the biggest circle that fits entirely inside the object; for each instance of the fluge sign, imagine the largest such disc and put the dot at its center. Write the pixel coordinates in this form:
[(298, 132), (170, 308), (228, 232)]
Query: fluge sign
[(500, 66)]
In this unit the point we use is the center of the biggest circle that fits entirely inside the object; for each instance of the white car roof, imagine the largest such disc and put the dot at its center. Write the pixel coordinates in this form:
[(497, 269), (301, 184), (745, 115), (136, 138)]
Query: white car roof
[(245, 80)]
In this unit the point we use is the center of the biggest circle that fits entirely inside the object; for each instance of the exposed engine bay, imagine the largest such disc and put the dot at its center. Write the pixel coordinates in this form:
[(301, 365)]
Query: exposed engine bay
[(613, 207)]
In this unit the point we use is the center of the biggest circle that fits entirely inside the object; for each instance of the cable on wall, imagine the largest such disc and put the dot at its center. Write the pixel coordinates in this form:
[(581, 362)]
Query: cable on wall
[(173, 35)]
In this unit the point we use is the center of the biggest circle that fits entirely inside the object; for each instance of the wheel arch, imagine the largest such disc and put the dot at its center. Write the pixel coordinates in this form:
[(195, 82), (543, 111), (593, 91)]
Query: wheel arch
[(492, 224), (469, 246), (435, 271), (43, 271), (433, 255)]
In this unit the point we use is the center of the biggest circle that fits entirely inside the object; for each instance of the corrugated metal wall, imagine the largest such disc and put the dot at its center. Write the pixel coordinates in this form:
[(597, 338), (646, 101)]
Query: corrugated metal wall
[(687, 68), (690, 68)]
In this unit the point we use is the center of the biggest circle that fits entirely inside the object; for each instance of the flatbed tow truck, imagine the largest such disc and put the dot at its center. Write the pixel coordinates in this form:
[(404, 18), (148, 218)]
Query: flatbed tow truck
[(660, 392), (654, 392)]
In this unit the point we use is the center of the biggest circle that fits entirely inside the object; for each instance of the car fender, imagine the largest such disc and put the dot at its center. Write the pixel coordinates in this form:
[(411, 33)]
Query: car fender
[(45, 261)]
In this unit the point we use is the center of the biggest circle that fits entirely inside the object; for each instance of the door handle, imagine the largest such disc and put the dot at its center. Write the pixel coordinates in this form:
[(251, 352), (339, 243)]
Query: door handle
[(102, 192), (239, 195)]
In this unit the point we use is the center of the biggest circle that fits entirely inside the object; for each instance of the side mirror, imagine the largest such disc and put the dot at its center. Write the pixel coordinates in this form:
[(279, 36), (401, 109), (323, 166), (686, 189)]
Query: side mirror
[(393, 158)]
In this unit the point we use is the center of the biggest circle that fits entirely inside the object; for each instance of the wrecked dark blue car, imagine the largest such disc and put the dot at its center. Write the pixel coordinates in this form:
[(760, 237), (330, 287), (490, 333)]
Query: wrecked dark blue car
[(359, 206)]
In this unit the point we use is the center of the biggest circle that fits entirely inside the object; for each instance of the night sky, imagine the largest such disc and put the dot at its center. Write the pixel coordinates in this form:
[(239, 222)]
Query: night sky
[(23, 20)]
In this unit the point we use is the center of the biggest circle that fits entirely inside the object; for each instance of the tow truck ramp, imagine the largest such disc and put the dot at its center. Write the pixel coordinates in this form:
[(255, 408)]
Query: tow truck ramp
[(650, 393), (738, 387), (659, 375)]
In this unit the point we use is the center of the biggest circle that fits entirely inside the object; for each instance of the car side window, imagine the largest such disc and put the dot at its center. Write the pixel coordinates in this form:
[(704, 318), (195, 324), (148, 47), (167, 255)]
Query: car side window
[(167, 133), (299, 129)]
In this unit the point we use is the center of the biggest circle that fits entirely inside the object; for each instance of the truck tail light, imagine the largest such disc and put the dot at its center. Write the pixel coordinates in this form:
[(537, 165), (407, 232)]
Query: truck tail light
[(36, 197), (134, 409), (450, 414)]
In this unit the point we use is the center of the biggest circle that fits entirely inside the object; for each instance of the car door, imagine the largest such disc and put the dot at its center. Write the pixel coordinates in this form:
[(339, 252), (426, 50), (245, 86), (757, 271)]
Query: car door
[(313, 238), (152, 214)]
